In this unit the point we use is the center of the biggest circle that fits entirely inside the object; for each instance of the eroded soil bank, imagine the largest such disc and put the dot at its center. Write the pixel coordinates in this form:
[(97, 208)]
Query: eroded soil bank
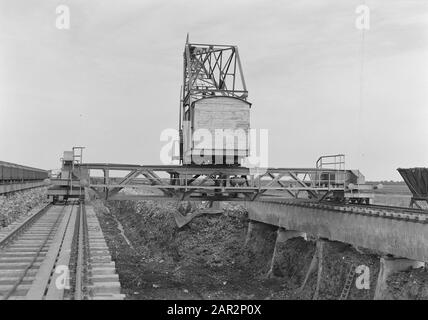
[(208, 259)]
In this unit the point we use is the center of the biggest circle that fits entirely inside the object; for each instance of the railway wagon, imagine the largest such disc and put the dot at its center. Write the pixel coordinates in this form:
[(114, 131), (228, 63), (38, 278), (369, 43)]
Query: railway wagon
[(15, 173), (217, 131), (416, 180)]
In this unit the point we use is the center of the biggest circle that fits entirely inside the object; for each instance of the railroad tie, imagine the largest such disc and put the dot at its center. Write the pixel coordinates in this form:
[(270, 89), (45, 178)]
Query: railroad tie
[(104, 281)]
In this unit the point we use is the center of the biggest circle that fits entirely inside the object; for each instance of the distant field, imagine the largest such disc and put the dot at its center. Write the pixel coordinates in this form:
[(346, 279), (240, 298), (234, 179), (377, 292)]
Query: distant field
[(394, 194)]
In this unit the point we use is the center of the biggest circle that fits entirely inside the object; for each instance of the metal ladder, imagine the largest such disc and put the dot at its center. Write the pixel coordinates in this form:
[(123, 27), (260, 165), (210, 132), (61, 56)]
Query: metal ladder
[(348, 283)]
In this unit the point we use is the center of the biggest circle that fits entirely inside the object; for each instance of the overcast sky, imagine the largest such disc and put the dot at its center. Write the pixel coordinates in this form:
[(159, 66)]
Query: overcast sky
[(111, 82)]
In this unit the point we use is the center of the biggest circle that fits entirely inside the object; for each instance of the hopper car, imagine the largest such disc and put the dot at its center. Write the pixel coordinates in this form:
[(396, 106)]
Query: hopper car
[(14, 173)]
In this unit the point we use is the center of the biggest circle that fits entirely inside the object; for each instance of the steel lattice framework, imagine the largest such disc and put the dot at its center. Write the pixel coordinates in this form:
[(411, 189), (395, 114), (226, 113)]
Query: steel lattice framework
[(207, 183), (211, 69)]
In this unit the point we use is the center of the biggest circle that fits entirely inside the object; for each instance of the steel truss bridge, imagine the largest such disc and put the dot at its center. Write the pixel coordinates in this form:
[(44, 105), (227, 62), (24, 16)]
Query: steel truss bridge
[(327, 203), (211, 183)]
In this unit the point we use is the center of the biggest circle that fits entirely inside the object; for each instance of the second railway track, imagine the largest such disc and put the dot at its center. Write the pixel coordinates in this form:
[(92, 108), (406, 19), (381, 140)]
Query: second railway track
[(380, 211), (50, 256)]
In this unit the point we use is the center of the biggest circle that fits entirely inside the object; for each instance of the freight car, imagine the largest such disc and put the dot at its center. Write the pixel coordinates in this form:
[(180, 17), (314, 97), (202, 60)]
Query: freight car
[(14, 173)]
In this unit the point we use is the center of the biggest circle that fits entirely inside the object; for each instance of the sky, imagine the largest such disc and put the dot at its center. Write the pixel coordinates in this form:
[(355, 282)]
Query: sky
[(111, 82)]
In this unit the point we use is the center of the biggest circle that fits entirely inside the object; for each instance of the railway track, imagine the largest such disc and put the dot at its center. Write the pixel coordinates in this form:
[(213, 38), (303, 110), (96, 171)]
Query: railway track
[(57, 253), (392, 208), (380, 211)]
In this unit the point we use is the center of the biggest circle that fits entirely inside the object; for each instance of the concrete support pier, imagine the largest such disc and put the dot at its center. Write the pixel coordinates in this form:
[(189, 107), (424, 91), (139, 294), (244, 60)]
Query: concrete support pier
[(258, 232), (260, 244), (388, 266), (282, 236), (400, 238)]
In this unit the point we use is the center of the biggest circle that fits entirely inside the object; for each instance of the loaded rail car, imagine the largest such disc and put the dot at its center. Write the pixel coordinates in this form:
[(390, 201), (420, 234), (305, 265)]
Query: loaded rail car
[(416, 180), (11, 173)]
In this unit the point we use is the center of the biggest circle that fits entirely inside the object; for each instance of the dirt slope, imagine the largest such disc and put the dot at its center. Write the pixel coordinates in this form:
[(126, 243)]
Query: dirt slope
[(208, 259)]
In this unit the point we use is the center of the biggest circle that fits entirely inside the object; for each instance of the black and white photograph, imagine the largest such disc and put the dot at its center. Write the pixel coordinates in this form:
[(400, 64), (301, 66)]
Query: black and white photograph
[(217, 158)]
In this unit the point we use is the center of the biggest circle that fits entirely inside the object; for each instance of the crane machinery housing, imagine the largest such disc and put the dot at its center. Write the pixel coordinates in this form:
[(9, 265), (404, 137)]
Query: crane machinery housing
[(214, 105)]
